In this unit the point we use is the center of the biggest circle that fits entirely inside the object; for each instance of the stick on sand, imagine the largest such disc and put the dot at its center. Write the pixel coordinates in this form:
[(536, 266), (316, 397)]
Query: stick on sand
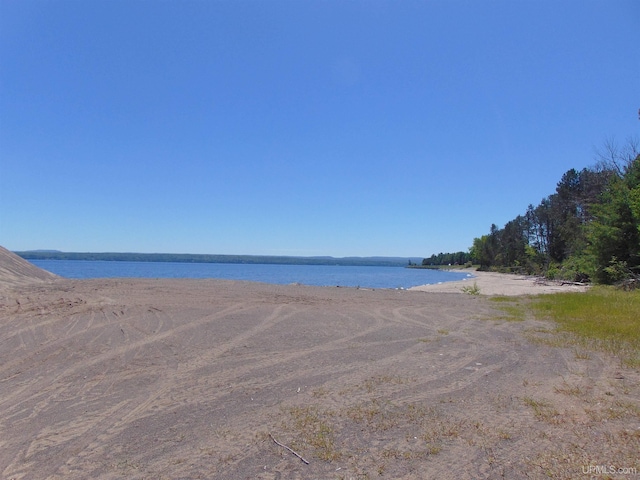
[(287, 448)]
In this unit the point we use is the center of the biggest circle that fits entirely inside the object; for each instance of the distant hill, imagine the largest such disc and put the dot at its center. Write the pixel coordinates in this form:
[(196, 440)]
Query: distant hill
[(14, 270), (208, 258)]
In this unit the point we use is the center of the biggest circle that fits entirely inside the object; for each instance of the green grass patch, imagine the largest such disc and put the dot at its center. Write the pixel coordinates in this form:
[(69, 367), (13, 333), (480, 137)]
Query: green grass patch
[(501, 299), (603, 317), (512, 307)]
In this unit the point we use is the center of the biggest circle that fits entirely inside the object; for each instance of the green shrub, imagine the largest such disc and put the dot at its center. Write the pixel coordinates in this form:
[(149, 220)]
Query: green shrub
[(475, 290)]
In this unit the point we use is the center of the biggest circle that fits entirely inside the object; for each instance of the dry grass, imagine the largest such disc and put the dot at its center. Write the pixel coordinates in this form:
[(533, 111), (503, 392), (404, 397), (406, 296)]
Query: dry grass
[(417, 431), (405, 433), (572, 390), (314, 429), (543, 410)]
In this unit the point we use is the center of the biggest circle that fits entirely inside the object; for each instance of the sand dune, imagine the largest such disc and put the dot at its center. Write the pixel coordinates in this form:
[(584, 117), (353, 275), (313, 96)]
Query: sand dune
[(15, 270)]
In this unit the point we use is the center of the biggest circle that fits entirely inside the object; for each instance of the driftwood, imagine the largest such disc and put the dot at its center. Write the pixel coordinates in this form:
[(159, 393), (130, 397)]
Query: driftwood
[(287, 448), (629, 284), (545, 281)]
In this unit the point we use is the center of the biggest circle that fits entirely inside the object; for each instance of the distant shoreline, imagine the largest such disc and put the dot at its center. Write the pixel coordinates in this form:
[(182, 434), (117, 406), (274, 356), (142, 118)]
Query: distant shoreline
[(455, 268), (215, 258)]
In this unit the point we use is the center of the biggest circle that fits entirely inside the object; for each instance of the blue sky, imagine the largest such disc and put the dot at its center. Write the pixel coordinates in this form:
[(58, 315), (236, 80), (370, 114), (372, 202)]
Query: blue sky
[(300, 128)]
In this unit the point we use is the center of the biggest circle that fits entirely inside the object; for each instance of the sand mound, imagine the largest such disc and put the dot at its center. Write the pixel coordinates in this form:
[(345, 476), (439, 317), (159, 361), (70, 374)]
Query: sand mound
[(15, 270)]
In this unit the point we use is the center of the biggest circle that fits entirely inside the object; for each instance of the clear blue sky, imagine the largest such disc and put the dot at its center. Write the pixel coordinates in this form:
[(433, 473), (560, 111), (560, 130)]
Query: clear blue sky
[(300, 127)]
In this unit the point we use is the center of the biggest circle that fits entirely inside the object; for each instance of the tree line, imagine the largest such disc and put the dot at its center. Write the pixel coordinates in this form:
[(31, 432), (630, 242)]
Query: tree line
[(457, 258), (587, 230)]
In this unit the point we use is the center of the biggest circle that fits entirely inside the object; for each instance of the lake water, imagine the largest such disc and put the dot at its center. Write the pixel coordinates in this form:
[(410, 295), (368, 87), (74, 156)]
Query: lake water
[(318, 275)]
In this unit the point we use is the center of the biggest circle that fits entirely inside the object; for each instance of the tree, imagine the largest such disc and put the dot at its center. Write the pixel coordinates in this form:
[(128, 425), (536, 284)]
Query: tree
[(614, 234), (513, 240), (485, 249)]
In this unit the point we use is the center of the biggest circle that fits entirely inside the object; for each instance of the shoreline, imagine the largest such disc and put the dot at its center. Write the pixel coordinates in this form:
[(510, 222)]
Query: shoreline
[(487, 283), (506, 284)]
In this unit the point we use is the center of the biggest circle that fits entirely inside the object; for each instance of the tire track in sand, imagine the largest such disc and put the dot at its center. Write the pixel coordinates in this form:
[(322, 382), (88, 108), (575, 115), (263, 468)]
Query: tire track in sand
[(19, 395), (109, 424)]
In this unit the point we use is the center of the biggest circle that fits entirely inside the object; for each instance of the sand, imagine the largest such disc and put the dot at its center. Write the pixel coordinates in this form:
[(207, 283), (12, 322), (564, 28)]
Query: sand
[(15, 271), (196, 378), (490, 283)]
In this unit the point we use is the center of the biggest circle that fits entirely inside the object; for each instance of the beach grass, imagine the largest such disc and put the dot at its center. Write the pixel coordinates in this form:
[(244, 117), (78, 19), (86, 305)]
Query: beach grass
[(511, 306), (604, 317), (471, 290)]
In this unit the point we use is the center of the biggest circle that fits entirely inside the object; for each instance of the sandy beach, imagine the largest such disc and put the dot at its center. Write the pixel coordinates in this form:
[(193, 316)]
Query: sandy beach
[(490, 283), (170, 379)]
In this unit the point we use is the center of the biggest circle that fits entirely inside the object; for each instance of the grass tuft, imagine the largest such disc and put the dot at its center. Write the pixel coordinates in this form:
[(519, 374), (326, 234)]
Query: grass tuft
[(543, 410), (474, 290)]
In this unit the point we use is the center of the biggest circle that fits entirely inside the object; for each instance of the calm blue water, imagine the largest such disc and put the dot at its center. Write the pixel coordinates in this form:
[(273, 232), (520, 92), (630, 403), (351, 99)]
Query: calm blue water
[(319, 275)]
